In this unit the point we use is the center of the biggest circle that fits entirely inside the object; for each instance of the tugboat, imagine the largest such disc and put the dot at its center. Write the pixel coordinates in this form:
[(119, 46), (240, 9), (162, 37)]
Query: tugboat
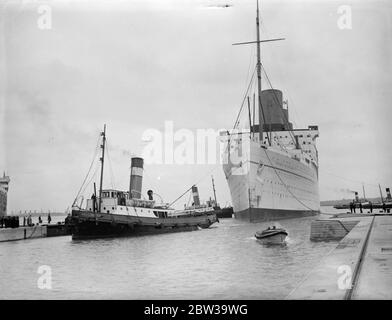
[(226, 212), (196, 208), (115, 213), (272, 235)]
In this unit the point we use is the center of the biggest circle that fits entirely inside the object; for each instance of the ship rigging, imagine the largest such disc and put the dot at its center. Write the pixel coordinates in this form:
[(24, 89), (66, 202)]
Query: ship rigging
[(277, 171)]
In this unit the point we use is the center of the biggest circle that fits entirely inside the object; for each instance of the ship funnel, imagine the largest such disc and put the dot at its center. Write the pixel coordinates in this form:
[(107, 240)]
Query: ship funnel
[(195, 193), (388, 193), (356, 197), (276, 117), (150, 193), (135, 184)]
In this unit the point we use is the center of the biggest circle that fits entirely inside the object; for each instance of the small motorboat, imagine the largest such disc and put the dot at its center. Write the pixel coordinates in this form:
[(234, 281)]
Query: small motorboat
[(272, 235)]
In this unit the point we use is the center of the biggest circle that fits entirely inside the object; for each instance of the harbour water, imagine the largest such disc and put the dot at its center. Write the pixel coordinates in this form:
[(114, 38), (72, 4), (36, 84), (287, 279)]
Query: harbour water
[(223, 262)]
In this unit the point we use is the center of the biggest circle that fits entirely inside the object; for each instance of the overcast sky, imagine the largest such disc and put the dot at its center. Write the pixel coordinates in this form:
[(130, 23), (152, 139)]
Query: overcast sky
[(136, 64)]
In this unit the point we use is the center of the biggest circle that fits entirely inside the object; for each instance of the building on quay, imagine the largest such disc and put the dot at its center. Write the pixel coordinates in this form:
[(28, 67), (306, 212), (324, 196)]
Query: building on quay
[(4, 182)]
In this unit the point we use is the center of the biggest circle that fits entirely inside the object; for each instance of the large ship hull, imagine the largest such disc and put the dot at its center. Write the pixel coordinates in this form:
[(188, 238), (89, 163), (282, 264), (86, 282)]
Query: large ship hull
[(86, 224), (264, 214), (269, 184)]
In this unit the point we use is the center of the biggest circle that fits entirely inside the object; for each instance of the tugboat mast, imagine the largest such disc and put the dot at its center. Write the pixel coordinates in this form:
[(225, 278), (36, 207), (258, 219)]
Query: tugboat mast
[(103, 134), (382, 198), (213, 187)]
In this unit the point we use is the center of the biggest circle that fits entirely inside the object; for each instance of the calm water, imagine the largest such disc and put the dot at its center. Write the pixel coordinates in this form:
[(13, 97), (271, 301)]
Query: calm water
[(223, 262)]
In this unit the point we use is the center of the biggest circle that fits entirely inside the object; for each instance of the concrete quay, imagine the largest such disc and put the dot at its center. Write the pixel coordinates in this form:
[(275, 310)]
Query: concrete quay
[(37, 231), (359, 267), (375, 275), (11, 234)]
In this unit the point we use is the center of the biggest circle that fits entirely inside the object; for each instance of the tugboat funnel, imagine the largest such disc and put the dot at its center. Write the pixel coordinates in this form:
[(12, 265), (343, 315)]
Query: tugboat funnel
[(195, 193), (135, 184)]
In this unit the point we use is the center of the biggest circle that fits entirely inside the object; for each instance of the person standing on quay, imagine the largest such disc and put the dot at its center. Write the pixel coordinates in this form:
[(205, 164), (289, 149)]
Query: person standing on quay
[(360, 207), (49, 218)]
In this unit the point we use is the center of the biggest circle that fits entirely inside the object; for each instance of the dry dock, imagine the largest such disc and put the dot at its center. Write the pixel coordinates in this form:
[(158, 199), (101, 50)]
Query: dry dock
[(359, 267)]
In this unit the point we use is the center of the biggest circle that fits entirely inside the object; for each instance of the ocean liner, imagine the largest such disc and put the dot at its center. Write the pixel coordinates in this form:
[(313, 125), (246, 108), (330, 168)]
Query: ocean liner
[(271, 168)]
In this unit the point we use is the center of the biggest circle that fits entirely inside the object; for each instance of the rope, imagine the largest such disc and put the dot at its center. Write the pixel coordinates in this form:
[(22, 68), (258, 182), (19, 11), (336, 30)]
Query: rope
[(92, 177), (277, 101), (343, 226), (350, 180), (201, 179), (181, 196), (252, 56), (35, 228), (284, 182), (112, 180), (88, 172), (243, 100)]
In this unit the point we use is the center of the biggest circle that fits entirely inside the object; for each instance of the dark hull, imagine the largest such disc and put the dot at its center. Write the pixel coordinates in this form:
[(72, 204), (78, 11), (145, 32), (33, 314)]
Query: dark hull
[(55, 230), (87, 225), (224, 212), (260, 215)]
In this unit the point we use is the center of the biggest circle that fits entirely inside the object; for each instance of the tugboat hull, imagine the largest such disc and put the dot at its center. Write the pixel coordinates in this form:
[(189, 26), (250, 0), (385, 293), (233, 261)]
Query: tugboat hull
[(87, 225)]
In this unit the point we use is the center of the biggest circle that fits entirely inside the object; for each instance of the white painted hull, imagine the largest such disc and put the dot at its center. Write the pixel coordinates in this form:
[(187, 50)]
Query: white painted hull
[(270, 184)]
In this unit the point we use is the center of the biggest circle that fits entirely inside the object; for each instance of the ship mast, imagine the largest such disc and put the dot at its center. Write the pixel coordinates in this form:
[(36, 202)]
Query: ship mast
[(103, 134), (364, 195), (379, 187), (258, 66), (213, 187)]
